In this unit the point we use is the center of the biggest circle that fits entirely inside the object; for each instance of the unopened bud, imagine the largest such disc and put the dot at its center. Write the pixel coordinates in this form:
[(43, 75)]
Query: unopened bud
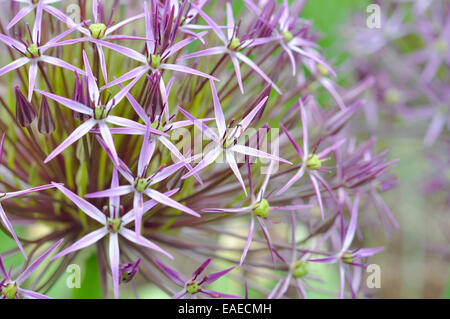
[(45, 120), (25, 113)]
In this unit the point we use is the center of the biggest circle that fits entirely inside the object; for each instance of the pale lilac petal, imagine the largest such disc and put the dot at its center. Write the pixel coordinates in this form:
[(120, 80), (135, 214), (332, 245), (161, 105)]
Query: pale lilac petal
[(114, 201), (148, 205), (220, 118), (94, 94), (249, 118), (12, 43), (216, 294), (116, 191), (84, 242), (342, 281), (78, 133), (123, 23), (200, 125), (138, 208), (305, 129), (237, 70), (114, 261), (122, 50), (131, 236), (14, 65), (29, 294), (22, 13), (107, 138), (175, 276), (180, 294), (27, 272), (181, 44), (210, 22), (185, 69), (71, 104), (294, 178), (256, 153), (318, 194), (226, 210), (274, 290), (234, 167), (27, 191), (206, 52), (82, 204), (61, 64), (146, 153), (167, 201), (253, 65), (352, 225), (120, 121), (36, 33), (333, 147), (284, 287), (8, 226), (209, 158), (328, 85), (249, 240), (267, 236), (32, 73)]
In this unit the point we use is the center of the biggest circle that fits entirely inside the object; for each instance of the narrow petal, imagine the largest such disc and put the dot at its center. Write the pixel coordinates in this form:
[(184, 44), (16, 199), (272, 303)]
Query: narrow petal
[(234, 167), (84, 242), (165, 200), (249, 240), (8, 226), (79, 132), (116, 191), (27, 272), (82, 204), (14, 65), (185, 69), (114, 261), (19, 16), (175, 276), (71, 104), (250, 116), (131, 236), (253, 65), (29, 294), (220, 118), (318, 194), (256, 153), (294, 178)]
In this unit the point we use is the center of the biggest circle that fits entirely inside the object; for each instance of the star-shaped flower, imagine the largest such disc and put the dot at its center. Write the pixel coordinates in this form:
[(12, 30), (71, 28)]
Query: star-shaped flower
[(113, 226), (98, 111), (11, 288), (232, 45), (194, 286), (226, 141)]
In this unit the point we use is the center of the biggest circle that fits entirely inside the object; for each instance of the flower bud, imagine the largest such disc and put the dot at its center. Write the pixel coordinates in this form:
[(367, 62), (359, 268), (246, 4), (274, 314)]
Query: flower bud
[(46, 125), (128, 271), (25, 113)]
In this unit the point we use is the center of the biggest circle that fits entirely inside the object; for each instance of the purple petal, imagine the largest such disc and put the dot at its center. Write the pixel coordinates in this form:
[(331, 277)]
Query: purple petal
[(8, 225), (131, 236), (27, 272), (175, 276), (114, 261), (165, 200), (84, 242), (84, 205), (249, 240)]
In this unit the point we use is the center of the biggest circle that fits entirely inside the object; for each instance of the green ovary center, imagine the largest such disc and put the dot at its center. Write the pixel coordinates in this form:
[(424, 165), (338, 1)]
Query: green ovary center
[(155, 61), (314, 162), (262, 208), (192, 288), (235, 43), (9, 291), (97, 30), (441, 46), (113, 224), (141, 184), (287, 36), (347, 258), (300, 269), (323, 70), (32, 51), (392, 96), (100, 112)]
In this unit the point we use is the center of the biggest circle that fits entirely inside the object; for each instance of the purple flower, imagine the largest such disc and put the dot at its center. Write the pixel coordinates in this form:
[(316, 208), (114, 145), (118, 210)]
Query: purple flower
[(140, 184), (232, 45), (226, 141), (194, 287), (113, 226), (12, 288), (97, 110)]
